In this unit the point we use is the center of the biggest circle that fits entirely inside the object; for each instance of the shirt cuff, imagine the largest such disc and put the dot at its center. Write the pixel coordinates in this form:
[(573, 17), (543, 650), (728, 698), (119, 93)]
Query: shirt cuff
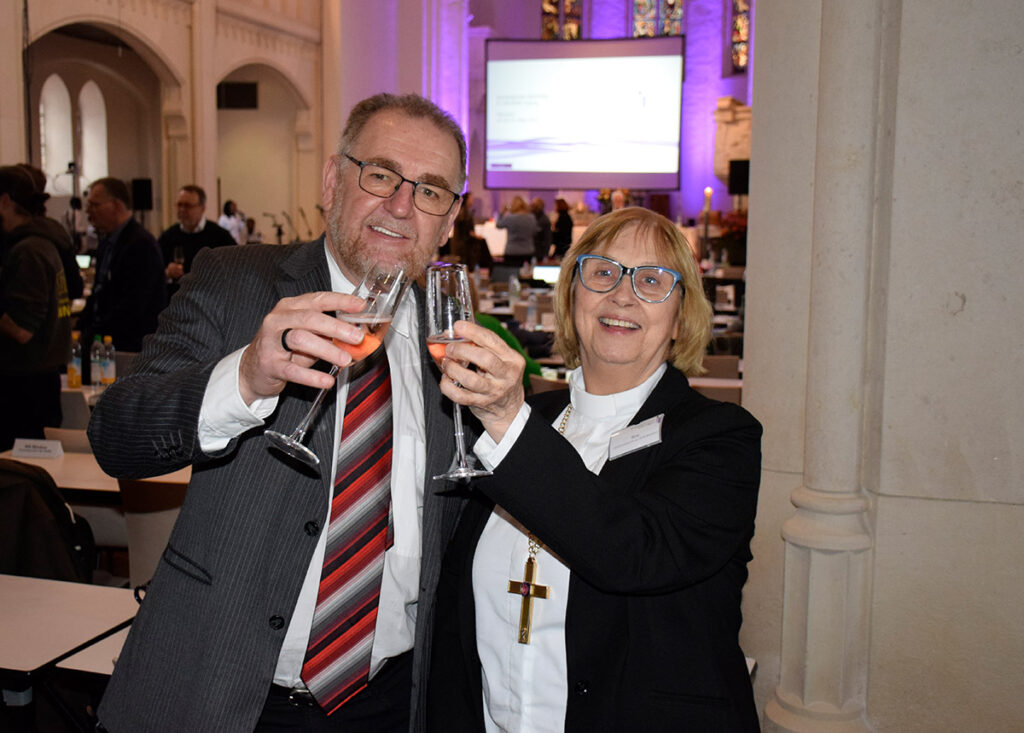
[(491, 453), (224, 414)]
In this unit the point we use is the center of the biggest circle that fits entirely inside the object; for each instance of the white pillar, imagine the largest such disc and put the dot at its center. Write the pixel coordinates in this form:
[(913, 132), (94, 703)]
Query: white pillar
[(13, 146), (203, 80), (826, 598)]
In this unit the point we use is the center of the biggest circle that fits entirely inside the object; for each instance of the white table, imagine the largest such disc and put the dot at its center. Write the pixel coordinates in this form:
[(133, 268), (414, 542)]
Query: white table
[(78, 474), (98, 658), (43, 622), (496, 238)]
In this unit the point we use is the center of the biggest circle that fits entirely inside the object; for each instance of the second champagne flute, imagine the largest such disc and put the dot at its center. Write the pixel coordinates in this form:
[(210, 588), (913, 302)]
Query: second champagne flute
[(449, 300), (382, 289)]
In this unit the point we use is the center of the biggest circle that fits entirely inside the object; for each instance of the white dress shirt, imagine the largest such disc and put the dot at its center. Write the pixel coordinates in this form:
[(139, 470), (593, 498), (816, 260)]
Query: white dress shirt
[(225, 415), (525, 686)]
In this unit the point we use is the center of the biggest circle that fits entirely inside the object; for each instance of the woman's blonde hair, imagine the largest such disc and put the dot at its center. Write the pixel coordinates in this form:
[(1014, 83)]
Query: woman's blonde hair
[(518, 206), (695, 315)]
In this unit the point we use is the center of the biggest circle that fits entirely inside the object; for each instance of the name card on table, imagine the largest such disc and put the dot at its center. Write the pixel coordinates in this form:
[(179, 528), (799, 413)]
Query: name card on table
[(33, 448)]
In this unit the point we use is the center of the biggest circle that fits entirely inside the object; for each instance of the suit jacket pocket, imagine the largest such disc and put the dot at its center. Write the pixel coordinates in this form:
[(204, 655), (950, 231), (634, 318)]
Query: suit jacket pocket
[(182, 563)]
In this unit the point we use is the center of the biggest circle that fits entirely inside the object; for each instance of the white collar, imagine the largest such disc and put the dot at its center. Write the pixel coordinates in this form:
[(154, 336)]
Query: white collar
[(602, 407)]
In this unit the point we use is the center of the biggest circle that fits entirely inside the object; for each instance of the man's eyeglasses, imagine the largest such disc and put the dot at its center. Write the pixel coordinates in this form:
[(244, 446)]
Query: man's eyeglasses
[(651, 284), (384, 182)]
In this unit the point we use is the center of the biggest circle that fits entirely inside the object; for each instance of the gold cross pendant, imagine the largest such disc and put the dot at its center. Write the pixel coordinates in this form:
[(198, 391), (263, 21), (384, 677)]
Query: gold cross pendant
[(528, 590)]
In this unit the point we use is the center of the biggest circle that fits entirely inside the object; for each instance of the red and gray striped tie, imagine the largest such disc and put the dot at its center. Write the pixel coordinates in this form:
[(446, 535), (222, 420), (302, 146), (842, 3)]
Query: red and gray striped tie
[(337, 663)]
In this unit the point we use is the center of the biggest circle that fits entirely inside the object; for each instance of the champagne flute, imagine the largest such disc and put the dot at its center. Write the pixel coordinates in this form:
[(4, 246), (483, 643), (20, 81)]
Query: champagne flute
[(382, 289), (448, 301)]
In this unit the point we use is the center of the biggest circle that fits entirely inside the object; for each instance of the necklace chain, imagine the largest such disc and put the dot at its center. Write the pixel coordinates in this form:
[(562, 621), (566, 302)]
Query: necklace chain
[(534, 545)]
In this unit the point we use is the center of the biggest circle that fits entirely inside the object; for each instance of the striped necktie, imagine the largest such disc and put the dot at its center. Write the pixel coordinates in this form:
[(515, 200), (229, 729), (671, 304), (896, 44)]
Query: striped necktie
[(337, 663)]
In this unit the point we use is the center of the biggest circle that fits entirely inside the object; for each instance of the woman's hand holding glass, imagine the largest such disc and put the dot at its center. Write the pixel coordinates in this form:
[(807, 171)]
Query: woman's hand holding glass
[(486, 375)]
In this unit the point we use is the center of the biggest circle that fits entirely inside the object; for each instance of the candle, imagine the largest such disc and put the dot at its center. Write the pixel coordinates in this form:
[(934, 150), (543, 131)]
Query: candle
[(707, 199)]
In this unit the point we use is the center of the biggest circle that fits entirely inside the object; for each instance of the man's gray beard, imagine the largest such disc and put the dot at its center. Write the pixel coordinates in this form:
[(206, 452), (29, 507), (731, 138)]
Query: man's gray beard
[(352, 254)]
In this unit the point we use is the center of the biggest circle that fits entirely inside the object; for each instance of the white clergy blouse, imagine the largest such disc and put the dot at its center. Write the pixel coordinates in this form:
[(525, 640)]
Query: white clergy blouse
[(525, 686)]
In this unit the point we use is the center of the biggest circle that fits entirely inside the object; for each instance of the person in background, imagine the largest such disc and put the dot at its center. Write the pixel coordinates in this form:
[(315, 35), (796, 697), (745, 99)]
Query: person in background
[(232, 636), (521, 226), (618, 200), (562, 235), (193, 231), (471, 249), (628, 501), (56, 233), (232, 220), (128, 291), (252, 236), (542, 239), (35, 314)]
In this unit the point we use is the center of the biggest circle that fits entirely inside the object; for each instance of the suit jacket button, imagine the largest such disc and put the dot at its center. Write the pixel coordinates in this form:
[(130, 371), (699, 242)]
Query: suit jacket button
[(312, 528), (276, 623), (581, 687)]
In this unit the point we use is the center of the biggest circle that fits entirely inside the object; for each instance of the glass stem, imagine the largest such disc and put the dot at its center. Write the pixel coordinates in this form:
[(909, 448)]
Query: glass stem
[(460, 440), (300, 430)]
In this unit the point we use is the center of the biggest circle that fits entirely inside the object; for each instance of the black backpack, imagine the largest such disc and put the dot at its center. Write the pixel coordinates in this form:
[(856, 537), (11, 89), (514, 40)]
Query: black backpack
[(40, 535)]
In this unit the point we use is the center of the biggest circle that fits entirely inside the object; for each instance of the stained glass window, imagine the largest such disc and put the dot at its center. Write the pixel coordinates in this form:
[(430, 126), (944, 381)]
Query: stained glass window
[(560, 19), (740, 36), (657, 18)]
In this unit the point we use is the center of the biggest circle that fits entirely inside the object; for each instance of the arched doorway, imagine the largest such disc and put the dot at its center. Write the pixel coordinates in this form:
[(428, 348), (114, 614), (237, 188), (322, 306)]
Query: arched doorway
[(263, 153)]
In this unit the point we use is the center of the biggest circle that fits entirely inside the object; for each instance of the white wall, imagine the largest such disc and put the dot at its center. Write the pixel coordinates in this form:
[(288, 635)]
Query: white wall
[(941, 408), (255, 157)]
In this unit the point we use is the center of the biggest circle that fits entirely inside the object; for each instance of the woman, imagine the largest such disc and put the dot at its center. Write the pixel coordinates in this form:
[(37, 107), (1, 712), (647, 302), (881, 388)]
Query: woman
[(639, 536), (562, 235), (521, 226)]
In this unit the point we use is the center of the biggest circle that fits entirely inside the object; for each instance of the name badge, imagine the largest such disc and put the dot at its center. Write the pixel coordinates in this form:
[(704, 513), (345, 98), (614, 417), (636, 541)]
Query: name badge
[(635, 437), (27, 448)]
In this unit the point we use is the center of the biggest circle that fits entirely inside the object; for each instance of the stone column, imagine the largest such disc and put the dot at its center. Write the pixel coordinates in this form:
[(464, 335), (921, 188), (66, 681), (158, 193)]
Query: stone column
[(203, 80), (826, 597), (13, 145)]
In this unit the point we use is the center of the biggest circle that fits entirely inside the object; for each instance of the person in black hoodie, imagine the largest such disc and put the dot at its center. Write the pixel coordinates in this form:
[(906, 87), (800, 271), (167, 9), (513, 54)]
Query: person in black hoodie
[(57, 233), (35, 314)]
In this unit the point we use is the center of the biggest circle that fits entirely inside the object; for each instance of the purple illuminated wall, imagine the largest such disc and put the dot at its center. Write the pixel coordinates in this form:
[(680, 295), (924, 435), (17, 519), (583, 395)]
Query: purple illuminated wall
[(703, 85)]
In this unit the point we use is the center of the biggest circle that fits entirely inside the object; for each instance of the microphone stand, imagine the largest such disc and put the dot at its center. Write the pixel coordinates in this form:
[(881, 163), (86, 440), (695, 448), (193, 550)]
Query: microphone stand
[(277, 226), (288, 219), (309, 229)]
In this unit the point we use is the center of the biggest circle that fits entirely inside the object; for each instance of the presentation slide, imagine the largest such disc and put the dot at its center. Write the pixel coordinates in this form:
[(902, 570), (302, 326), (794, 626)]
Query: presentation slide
[(608, 118)]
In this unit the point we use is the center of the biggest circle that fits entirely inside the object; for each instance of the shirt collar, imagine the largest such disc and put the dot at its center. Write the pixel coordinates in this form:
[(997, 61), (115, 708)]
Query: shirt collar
[(598, 407), (404, 322), (199, 227)]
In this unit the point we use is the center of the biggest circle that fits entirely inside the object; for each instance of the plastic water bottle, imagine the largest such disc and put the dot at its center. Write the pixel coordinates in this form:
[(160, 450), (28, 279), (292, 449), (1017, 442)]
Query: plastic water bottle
[(75, 364), (531, 312), (96, 361), (108, 365), (515, 289)]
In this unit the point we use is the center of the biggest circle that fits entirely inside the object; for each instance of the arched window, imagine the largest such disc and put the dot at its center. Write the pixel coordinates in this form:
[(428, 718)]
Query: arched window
[(55, 141), (93, 111)]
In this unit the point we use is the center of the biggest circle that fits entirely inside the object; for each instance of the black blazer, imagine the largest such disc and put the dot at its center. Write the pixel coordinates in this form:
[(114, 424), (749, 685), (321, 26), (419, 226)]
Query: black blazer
[(126, 302), (658, 546)]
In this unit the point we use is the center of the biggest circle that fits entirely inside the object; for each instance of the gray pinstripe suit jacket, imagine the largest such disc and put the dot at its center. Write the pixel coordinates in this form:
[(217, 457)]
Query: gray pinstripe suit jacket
[(202, 651)]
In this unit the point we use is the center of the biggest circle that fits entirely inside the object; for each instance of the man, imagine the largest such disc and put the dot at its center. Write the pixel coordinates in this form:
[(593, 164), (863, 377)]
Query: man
[(542, 239), (128, 292), (180, 242), (220, 642), (35, 314)]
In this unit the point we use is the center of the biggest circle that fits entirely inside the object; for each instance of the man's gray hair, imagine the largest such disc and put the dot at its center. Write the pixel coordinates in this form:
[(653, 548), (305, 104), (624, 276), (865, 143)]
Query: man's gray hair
[(412, 105)]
